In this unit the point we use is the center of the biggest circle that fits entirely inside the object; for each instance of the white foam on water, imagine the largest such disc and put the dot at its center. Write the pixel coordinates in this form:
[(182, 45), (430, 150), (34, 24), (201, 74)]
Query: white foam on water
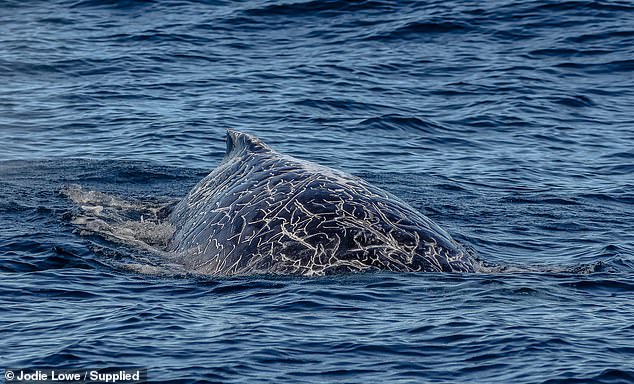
[(133, 222)]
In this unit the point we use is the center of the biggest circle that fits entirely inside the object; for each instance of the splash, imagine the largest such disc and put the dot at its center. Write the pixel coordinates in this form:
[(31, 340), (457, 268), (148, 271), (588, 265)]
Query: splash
[(140, 224)]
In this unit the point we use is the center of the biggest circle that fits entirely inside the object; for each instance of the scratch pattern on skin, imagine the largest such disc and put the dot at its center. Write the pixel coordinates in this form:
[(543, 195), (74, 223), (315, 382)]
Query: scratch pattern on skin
[(264, 212)]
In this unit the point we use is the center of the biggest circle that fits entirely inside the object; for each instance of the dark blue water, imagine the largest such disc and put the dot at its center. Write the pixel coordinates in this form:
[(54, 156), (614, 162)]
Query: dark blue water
[(510, 123)]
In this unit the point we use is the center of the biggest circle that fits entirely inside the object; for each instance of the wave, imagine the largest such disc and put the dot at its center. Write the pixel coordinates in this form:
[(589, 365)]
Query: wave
[(612, 66), (316, 7), (116, 4), (421, 29), (397, 122)]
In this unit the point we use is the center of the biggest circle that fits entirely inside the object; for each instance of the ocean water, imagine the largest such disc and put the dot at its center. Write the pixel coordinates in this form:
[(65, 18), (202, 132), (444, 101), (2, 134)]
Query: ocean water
[(509, 123)]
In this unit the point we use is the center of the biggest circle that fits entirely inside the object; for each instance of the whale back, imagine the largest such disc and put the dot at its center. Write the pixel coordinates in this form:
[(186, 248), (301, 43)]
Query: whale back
[(261, 211)]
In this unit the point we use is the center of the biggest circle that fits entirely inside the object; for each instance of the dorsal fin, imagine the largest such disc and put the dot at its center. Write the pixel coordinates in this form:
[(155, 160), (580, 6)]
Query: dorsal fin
[(239, 141)]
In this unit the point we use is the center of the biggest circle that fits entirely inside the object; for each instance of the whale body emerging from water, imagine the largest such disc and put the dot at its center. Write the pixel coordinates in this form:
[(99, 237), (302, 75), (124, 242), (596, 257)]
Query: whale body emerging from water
[(263, 212)]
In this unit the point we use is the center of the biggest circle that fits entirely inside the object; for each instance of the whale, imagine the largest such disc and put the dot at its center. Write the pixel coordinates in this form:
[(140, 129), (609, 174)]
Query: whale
[(264, 212)]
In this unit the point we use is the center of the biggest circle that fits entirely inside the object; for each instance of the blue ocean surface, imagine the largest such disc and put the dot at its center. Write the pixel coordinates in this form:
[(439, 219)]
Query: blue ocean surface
[(509, 123)]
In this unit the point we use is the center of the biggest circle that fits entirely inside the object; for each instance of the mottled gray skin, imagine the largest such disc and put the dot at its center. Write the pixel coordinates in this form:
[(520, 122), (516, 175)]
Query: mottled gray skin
[(264, 212)]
